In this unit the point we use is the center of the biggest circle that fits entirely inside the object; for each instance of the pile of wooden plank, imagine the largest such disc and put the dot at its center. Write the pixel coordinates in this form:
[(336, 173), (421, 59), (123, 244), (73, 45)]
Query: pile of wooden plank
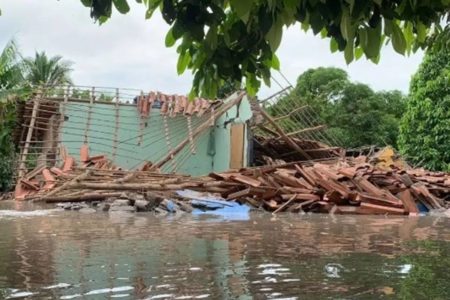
[(350, 186)]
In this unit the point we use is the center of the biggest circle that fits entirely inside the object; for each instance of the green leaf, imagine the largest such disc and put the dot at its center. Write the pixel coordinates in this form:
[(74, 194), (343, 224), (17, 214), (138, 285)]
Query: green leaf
[(346, 26), (370, 40), (375, 59), (242, 8), (266, 76), (387, 27), (358, 53), (363, 38), (211, 38), (183, 61), (274, 35), (103, 19), (121, 6), (348, 52), (170, 40), (87, 3), (305, 26), (421, 32), (275, 62), (398, 39), (149, 13), (351, 4), (409, 36), (333, 45)]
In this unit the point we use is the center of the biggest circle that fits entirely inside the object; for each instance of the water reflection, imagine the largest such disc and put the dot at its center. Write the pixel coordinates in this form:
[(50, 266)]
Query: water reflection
[(68, 255)]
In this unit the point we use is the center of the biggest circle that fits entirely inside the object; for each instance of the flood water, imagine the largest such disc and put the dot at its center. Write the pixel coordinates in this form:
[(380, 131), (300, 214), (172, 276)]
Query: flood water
[(48, 254)]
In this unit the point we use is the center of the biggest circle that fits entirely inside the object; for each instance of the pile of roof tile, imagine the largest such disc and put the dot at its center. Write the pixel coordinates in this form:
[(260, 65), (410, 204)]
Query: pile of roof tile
[(350, 186), (172, 105), (43, 179), (346, 187)]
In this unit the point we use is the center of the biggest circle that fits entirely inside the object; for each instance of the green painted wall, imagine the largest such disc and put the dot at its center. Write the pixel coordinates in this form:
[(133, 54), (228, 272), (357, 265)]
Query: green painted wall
[(212, 148)]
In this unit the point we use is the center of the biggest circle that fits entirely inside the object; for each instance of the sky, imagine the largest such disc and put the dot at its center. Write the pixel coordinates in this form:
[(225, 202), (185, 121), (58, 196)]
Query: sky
[(129, 52)]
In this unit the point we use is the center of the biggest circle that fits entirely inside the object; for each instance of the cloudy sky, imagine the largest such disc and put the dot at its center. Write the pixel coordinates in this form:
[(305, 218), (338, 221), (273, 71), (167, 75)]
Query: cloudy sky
[(128, 51)]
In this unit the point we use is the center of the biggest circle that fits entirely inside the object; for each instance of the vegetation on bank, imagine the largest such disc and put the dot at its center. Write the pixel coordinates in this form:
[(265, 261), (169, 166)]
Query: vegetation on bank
[(425, 127), (18, 76)]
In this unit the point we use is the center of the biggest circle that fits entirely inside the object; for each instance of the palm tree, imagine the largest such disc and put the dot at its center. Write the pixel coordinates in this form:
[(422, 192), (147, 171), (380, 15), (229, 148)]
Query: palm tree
[(42, 70), (11, 75)]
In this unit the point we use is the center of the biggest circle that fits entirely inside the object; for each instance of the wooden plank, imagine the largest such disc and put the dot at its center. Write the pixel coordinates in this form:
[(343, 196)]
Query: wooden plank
[(301, 197), (239, 194), (284, 204), (246, 180), (305, 130), (295, 190), (408, 201), (349, 172), (383, 209), (367, 186), (287, 179), (283, 134), (363, 197), (305, 174), (24, 153), (300, 205), (237, 135)]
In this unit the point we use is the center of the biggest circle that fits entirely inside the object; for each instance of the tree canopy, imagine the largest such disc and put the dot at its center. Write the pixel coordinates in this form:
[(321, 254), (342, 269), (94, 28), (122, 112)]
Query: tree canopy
[(354, 114), (425, 126), (237, 39), (17, 78), (46, 71), (10, 68)]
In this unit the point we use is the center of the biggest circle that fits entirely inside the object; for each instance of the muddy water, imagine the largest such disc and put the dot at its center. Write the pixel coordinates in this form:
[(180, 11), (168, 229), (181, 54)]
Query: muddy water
[(48, 254)]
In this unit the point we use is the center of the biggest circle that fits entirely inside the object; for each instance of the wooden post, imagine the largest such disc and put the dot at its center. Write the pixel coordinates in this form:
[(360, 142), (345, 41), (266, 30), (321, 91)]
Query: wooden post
[(116, 127), (191, 139), (62, 112), (23, 156), (283, 134), (141, 124), (88, 121), (168, 142), (214, 115)]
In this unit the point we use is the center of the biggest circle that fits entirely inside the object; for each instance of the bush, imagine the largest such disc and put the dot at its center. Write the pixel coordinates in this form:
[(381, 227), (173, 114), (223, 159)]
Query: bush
[(7, 147), (425, 127)]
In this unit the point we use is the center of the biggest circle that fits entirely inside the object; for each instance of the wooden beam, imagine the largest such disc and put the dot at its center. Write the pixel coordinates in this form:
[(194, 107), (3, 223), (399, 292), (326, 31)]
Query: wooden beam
[(306, 130), (24, 154), (291, 113), (268, 130), (283, 134)]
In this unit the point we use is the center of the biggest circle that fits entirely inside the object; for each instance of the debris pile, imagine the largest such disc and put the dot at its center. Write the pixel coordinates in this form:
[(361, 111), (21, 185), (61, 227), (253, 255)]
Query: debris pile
[(350, 186)]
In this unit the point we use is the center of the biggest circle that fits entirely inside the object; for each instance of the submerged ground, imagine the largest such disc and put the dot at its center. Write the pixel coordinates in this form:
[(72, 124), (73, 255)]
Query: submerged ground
[(68, 255)]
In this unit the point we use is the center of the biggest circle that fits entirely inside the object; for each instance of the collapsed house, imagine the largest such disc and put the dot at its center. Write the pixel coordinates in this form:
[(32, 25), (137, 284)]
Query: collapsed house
[(92, 145)]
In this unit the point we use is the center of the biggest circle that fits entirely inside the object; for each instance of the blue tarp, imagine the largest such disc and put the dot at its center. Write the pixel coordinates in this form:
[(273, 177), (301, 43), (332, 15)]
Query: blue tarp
[(213, 205)]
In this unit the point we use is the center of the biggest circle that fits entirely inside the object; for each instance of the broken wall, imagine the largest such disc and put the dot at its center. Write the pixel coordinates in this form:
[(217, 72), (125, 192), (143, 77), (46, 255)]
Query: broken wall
[(121, 134)]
